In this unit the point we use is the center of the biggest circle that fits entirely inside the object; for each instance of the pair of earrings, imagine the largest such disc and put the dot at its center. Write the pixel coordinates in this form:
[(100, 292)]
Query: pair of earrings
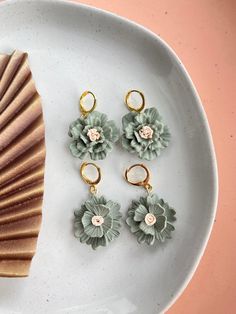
[(144, 133), (98, 221)]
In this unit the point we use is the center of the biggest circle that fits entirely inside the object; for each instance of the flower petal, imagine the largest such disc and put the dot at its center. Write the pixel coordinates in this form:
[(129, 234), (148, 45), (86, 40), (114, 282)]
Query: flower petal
[(98, 156), (140, 213), (90, 205), (150, 239), (143, 201), (135, 203), (169, 211), (156, 209), (114, 209), (134, 226), (137, 136), (96, 118), (116, 224), (76, 152), (84, 238), (136, 146), (170, 227), (152, 199), (87, 218), (141, 236), (93, 231), (127, 119), (107, 224), (159, 236), (100, 210), (158, 128), (166, 134), (160, 223), (111, 234), (126, 144), (148, 154), (97, 199), (78, 229), (103, 241), (140, 118), (75, 132), (111, 132), (107, 131), (78, 213), (84, 138), (78, 124), (147, 229), (166, 234), (129, 131), (99, 147), (152, 115), (96, 242)]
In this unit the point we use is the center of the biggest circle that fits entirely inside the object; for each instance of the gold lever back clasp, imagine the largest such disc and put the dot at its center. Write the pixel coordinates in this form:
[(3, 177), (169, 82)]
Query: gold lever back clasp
[(92, 183), (83, 110), (144, 183), (129, 104)]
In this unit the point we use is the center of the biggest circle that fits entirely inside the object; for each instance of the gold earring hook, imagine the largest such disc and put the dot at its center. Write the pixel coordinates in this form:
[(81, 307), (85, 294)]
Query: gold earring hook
[(145, 183), (128, 103), (83, 110), (92, 183)]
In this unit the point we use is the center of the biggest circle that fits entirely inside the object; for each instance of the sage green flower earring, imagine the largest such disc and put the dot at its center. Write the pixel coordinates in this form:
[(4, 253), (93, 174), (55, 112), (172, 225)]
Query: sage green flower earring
[(92, 133), (97, 222), (149, 218), (144, 133)]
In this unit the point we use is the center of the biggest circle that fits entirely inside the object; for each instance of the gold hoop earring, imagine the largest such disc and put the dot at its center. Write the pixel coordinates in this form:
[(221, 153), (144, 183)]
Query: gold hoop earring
[(92, 133), (144, 133), (97, 222), (149, 218)]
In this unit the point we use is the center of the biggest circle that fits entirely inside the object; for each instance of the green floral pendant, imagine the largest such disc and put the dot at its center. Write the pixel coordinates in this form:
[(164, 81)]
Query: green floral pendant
[(145, 134), (150, 219), (92, 134), (97, 222)]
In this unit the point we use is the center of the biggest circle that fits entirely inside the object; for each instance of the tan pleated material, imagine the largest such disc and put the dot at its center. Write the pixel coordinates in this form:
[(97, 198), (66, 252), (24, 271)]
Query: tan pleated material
[(22, 157), (18, 248), (14, 267)]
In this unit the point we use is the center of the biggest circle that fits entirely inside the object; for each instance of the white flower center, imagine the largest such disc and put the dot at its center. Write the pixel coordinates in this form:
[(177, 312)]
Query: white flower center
[(150, 219), (93, 135), (97, 220), (146, 132)]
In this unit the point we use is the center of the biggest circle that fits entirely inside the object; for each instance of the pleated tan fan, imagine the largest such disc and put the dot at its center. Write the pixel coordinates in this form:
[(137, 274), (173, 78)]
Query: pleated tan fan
[(22, 156)]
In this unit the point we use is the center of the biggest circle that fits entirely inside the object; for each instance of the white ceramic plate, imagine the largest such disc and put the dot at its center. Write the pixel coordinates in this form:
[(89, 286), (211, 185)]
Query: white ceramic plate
[(73, 48)]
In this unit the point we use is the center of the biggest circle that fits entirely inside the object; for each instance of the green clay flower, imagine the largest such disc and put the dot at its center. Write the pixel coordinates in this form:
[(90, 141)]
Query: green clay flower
[(150, 219), (97, 222), (93, 135), (145, 134)]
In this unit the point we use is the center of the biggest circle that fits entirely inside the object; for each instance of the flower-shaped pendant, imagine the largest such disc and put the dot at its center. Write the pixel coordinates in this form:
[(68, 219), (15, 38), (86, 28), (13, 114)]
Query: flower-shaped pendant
[(151, 219), (97, 222), (92, 133), (144, 133)]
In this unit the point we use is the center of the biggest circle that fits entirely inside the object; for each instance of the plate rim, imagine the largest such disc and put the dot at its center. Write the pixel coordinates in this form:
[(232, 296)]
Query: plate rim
[(138, 27)]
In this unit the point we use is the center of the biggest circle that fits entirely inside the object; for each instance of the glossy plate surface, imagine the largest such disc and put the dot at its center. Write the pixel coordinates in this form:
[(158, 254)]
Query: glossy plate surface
[(73, 48)]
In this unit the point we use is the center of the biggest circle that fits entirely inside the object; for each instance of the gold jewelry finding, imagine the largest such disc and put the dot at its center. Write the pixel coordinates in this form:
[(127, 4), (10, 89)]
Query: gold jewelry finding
[(145, 183), (128, 103), (83, 110), (92, 183)]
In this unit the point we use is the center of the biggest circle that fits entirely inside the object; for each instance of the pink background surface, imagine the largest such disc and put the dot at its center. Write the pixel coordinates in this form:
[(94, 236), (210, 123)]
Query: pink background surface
[(203, 34)]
